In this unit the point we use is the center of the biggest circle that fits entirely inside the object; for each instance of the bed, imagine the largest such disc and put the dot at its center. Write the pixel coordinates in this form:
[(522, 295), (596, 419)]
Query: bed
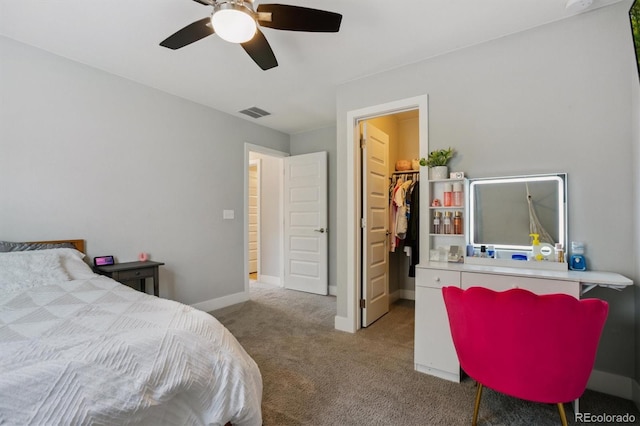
[(80, 348)]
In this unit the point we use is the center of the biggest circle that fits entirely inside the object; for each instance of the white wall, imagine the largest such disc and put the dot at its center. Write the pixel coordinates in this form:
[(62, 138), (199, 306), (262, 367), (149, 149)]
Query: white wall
[(85, 154), (552, 99)]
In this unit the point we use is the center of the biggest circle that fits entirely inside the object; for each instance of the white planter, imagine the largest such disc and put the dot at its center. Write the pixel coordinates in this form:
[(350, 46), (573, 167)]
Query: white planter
[(439, 172)]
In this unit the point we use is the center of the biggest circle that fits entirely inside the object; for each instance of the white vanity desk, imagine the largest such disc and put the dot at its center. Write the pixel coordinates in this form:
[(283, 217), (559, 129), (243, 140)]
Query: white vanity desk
[(434, 351)]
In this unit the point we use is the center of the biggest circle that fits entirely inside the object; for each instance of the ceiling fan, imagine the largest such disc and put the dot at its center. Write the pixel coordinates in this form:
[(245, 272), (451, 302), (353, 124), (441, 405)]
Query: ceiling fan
[(237, 22)]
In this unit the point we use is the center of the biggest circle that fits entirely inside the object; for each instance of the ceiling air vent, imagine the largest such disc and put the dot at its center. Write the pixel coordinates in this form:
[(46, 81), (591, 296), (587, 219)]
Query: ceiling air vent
[(255, 112)]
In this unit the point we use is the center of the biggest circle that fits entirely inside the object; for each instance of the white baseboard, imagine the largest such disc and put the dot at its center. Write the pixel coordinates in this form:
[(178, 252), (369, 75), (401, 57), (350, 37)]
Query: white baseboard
[(343, 324), (447, 375), (333, 290), (635, 392), (408, 294), (221, 302), (268, 279), (611, 384), (402, 294)]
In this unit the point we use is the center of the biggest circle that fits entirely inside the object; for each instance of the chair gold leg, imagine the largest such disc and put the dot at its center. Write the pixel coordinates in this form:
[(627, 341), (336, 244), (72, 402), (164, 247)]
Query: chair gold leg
[(476, 408), (563, 416)]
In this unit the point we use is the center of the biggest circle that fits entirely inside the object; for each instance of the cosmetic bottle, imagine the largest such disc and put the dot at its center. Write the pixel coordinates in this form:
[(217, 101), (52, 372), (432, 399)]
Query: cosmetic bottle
[(577, 261), (559, 253), (457, 194), (437, 219), (535, 247), (457, 223), (446, 226), (448, 194)]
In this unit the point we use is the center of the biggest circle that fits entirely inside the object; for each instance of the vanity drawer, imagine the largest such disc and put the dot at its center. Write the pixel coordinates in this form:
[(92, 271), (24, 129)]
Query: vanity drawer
[(437, 278), (134, 274), (506, 282)]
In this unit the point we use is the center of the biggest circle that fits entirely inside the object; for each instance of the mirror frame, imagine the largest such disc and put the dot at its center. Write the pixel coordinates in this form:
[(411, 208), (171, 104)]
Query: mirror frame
[(559, 178)]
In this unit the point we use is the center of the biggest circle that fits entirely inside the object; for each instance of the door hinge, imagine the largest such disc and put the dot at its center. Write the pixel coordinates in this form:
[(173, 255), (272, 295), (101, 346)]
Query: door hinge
[(363, 222), (362, 142), (363, 303)]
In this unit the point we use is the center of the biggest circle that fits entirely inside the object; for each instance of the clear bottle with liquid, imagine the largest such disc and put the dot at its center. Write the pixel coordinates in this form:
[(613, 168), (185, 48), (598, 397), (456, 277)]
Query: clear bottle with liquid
[(458, 198), (437, 222), (448, 195), (446, 223), (559, 253)]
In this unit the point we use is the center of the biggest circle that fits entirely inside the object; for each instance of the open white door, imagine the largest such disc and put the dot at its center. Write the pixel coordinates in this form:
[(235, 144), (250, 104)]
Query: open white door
[(375, 212), (305, 223)]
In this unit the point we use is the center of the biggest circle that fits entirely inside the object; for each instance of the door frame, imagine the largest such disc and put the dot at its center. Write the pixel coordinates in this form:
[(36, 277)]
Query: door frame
[(248, 148), (353, 320)]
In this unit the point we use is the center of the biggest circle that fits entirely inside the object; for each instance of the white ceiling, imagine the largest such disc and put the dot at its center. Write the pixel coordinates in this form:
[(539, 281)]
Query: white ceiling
[(122, 36)]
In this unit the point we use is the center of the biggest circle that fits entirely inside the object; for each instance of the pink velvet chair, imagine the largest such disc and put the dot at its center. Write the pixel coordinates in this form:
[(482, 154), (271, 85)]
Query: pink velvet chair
[(533, 347)]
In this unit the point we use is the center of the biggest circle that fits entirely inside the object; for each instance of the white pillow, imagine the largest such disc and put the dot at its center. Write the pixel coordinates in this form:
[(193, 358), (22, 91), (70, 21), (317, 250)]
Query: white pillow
[(72, 262), (19, 270), (70, 259), (76, 267)]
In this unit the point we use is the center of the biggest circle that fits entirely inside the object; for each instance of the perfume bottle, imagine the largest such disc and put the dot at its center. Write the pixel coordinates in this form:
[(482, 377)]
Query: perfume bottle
[(446, 226), (457, 194), (437, 219), (457, 223), (448, 194)]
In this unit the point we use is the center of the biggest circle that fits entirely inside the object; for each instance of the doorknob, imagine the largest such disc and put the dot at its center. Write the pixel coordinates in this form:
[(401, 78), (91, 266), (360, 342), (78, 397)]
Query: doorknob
[(321, 230)]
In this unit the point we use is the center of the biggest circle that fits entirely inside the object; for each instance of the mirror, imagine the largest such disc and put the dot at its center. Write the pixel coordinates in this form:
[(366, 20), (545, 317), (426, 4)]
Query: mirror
[(503, 211)]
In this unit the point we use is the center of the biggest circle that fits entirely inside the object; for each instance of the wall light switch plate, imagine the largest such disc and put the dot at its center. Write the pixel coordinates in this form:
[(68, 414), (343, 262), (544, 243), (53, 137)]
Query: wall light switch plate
[(228, 214)]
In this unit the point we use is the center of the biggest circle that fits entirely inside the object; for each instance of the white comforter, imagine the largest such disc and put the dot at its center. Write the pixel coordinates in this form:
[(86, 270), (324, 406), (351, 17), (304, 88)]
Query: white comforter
[(93, 351)]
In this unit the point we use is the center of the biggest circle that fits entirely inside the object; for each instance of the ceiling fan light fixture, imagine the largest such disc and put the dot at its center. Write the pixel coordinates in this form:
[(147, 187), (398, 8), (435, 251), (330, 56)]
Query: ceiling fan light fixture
[(233, 22)]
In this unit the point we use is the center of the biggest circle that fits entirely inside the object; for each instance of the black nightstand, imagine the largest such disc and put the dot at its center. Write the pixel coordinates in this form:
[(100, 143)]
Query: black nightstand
[(133, 271)]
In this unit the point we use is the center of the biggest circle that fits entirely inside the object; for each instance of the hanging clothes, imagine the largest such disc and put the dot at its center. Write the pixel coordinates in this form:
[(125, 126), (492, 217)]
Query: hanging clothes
[(400, 191), (402, 220), (393, 210), (413, 230)]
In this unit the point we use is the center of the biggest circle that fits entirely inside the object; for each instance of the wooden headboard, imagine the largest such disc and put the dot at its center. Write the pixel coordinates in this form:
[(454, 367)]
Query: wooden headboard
[(78, 244)]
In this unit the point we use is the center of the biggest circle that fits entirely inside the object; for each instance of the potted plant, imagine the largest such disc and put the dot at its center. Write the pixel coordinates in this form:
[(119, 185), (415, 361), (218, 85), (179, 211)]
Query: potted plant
[(437, 163)]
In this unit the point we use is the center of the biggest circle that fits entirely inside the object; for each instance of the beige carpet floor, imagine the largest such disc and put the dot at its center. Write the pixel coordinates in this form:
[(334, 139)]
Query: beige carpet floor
[(315, 375)]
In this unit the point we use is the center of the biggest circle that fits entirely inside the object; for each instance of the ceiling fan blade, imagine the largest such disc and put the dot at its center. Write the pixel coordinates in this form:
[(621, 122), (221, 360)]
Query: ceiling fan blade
[(296, 18), (260, 51), (189, 34)]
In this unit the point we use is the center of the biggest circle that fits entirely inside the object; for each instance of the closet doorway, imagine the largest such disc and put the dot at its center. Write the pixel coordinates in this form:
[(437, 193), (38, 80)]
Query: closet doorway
[(263, 215), (254, 219), (386, 254)]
